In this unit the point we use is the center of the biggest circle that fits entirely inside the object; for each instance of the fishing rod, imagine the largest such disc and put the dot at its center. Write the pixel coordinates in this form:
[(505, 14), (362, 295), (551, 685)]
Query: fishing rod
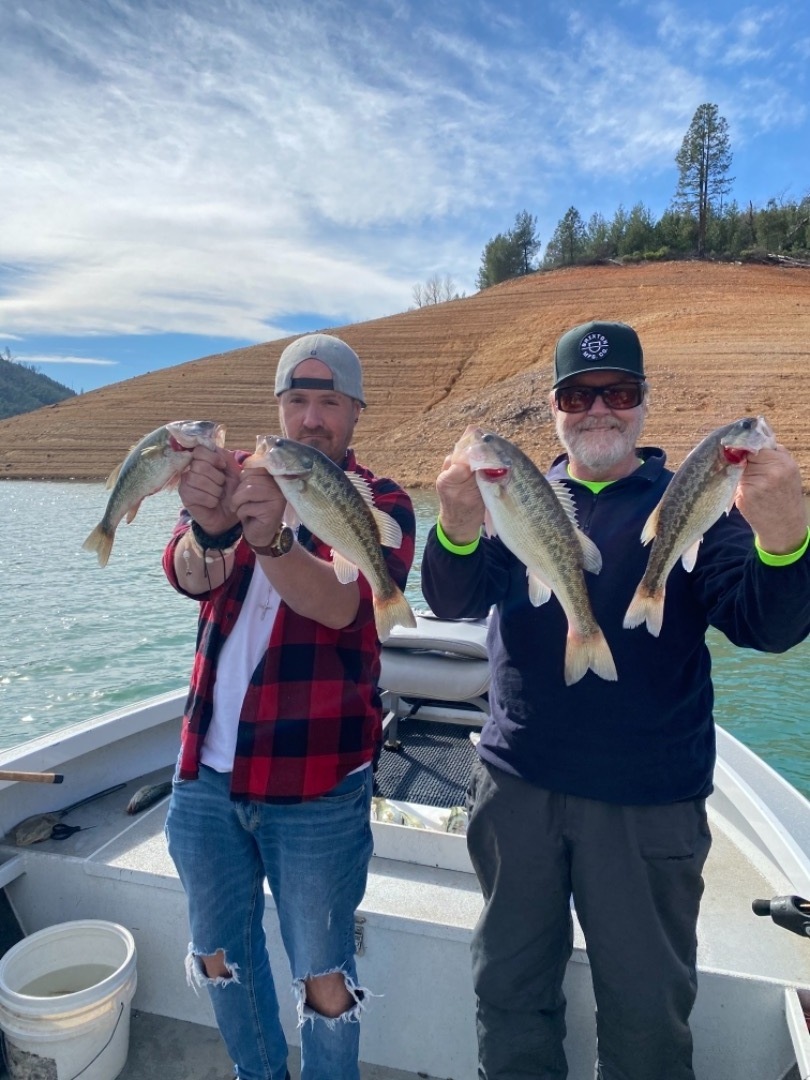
[(32, 777), (790, 912)]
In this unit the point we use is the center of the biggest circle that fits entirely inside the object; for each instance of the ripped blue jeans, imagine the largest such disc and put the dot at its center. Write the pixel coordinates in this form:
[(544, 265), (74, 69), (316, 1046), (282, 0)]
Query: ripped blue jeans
[(315, 856)]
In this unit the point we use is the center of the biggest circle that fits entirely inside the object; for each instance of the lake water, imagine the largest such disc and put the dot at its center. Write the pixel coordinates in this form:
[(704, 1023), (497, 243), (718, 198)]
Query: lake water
[(77, 640)]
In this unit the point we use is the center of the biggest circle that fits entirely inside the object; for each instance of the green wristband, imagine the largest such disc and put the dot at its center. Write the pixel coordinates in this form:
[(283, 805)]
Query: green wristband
[(782, 560), (456, 549)]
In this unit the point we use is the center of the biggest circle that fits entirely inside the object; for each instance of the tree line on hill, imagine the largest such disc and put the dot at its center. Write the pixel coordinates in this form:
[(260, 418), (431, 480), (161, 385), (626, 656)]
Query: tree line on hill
[(23, 388), (699, 223)]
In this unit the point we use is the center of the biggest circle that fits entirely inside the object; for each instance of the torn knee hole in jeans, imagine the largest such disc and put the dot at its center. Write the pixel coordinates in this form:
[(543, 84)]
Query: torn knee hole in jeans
[(197, 971), (306, 1012)]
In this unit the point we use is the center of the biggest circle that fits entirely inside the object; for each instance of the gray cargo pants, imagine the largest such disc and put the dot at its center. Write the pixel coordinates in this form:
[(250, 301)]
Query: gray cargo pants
[(635, 875)]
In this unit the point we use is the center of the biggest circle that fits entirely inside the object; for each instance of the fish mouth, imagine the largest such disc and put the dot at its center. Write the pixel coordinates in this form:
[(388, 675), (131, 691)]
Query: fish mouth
[(735, 454), (485, 454), (178, 446), (493, 475), (182, 439), (283, 459), (748, 436)]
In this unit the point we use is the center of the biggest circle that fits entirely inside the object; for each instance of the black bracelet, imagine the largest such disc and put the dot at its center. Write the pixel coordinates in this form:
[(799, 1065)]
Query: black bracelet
[(219, 542)]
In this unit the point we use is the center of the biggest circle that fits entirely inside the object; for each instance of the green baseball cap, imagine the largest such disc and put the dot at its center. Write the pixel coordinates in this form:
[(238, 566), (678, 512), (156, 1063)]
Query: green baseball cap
[(598, 346), (342, 361)]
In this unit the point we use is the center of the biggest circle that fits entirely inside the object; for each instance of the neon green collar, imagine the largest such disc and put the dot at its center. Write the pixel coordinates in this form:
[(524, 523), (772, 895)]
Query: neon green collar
[(593, 485)]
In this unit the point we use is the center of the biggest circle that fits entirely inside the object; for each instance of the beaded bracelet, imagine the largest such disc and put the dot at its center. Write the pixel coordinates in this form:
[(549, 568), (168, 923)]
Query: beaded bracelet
[(224, 542)]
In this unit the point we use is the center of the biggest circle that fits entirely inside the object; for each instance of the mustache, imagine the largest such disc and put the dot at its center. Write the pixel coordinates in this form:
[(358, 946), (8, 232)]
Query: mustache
[(608, 423)]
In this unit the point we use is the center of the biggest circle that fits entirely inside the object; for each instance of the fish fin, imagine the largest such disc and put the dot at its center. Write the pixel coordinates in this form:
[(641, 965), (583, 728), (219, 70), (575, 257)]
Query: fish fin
[(173, 481), (489, 524), (362, 487), (689, 557), (592, 556), (150, 451), (111, 479), (387, 526), (588, 654), (100, 541), (650, 530), (565, 498), (646, 607), (390, 531), (395, 611), (345, 570), (539, 592), (132, 512)]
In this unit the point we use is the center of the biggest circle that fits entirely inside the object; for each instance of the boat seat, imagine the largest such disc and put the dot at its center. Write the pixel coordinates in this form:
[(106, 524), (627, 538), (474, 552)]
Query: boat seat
[(439, 661), (433, 675)]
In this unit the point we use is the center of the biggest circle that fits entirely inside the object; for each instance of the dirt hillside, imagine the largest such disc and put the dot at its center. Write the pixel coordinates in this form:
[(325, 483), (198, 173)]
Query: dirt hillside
[(721, 341)]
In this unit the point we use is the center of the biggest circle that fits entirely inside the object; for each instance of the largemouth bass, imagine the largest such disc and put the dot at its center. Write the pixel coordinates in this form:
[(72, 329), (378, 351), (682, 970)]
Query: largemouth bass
[(383, 810), (155, 463), (148, 795), (702, 489), (457, 820), (338, 507), (535, 519)]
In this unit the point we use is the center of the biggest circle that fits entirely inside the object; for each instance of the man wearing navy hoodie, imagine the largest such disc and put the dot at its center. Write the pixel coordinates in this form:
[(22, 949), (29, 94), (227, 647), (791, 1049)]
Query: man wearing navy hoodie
[(597, 790)]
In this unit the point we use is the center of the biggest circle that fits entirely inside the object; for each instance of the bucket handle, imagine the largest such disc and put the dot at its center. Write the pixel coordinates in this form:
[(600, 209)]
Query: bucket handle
[(89, 1063)]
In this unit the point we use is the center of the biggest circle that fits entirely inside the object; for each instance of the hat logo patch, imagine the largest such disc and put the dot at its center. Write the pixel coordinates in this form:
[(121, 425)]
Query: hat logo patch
[(594, 347)]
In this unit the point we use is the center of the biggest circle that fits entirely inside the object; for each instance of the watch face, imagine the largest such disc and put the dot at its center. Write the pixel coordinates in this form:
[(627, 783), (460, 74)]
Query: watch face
[(284, 540)]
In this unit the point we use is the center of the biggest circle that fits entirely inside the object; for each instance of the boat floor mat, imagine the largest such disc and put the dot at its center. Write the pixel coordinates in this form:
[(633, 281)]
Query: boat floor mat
[(431, 767)]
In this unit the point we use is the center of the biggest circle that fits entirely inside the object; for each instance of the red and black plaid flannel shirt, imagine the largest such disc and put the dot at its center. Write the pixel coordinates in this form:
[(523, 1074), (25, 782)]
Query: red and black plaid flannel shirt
[(312, 712)]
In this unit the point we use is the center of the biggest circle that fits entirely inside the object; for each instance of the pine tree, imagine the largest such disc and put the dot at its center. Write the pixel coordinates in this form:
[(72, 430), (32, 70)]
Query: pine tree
[(524, 237), (703, 162), (569, 241), (511, 254)]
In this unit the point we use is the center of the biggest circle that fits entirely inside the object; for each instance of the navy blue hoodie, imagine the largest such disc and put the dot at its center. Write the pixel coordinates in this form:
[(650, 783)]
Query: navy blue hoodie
[(649, 737)]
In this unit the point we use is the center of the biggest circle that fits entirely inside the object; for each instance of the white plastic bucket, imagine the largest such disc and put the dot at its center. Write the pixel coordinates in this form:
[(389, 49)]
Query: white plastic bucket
[(65, 995)]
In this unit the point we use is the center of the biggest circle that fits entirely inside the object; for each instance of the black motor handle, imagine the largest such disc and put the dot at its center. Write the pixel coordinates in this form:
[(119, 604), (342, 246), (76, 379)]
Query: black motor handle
[(790, 912)]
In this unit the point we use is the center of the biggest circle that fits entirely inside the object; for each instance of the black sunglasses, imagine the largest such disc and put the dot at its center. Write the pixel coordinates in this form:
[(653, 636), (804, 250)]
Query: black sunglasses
[(581, 398)]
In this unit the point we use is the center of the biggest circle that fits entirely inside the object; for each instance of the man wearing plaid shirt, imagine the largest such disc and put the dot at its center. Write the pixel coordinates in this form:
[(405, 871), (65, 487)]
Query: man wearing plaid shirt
[(280, 729)]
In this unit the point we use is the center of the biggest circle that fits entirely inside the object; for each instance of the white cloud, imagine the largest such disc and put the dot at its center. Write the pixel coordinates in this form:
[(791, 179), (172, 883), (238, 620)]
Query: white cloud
[(38, 359), (213, 168)]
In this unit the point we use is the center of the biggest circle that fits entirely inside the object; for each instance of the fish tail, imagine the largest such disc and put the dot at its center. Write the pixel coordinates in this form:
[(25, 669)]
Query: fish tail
[(391, 611), (100, 540), (646, 607), (590, 653)]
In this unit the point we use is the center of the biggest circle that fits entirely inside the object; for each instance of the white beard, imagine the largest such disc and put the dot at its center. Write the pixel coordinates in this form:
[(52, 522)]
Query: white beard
[(600, 444)]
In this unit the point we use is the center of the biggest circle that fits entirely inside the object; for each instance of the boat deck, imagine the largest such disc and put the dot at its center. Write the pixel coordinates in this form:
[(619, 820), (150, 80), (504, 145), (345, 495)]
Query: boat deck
[(414, 918), (178, 1050), (113, 844)]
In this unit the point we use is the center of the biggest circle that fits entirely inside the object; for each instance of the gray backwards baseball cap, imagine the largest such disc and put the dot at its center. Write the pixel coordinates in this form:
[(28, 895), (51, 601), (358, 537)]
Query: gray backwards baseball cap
[(342, 361), (598, 346)]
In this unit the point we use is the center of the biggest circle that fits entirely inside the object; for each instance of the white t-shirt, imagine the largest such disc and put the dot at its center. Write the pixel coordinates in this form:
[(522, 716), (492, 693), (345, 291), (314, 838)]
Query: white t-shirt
[(241, 653)]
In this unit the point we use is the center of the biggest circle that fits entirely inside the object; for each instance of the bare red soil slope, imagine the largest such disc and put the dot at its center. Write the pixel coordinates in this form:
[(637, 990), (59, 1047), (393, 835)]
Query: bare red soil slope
[(721, 341)]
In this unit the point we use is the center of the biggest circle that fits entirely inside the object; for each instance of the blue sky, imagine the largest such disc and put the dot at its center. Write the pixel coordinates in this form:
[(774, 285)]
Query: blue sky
[(184, 177)]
